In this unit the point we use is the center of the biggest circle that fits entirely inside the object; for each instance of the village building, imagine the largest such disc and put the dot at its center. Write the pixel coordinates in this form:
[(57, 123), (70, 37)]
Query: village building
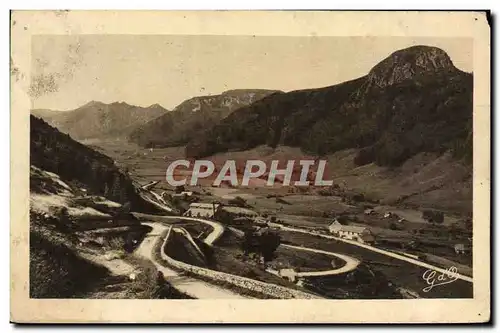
[(461, 249), (335, 227), (351, 232), (199, 209)]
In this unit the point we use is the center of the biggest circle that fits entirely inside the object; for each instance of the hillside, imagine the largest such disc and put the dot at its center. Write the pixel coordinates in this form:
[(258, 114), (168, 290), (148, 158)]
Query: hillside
[(96, 119), (82, 233), (56, 152), (413, 101), (192, 117)]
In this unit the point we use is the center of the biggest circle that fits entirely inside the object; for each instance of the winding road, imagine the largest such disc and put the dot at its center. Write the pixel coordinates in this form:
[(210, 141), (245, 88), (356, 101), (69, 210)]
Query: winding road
[(375, 249), (216, 233), (350, 262), (201, 289), (190, 286)]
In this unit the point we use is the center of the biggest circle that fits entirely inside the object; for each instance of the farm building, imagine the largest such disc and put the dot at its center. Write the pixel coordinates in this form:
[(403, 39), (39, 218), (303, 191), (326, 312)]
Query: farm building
[(335, 227), (199, 209), (461, 249), (357, 233)]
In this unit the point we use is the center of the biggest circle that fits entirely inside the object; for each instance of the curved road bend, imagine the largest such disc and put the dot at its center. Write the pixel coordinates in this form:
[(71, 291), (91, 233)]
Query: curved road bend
[(190, 286), (350, 262), (216, 233), (375, 249)]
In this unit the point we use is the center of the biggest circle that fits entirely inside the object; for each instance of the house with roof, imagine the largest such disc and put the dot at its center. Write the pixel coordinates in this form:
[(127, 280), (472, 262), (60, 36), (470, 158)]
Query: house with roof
[(351, 232), (461, 248), (335, 227)]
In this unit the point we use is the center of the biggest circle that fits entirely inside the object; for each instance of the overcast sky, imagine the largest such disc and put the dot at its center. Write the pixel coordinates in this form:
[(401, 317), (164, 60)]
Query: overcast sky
[(143, 70)]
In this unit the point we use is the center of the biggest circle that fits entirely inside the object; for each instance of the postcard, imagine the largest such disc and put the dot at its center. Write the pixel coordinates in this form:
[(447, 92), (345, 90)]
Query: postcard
[(250, 167)]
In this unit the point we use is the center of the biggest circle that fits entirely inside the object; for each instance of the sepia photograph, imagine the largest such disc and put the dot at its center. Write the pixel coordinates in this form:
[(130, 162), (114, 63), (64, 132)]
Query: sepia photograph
[(230, 167)]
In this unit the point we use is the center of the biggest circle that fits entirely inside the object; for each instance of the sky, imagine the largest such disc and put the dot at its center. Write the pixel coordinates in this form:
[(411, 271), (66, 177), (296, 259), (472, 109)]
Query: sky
[(71, 70)]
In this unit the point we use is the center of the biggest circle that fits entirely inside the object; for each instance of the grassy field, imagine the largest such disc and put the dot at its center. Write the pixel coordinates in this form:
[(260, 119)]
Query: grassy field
[(304, 261)]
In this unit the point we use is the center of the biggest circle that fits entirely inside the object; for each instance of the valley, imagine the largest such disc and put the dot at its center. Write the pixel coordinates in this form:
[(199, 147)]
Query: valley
[(314, 211), (398, 147)]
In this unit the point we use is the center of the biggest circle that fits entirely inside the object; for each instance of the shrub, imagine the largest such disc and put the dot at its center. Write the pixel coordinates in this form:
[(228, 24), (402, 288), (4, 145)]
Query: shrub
[(433, 216)]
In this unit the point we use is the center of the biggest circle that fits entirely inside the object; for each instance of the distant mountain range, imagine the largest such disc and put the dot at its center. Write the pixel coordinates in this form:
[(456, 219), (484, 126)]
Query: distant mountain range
[(192, 117), (97, 119), (413, 101), (401, 133)]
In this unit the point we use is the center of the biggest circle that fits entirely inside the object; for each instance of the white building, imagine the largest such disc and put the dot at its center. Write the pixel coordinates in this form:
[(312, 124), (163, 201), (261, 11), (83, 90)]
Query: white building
[(335, 227), (351, 232), (199, 209)]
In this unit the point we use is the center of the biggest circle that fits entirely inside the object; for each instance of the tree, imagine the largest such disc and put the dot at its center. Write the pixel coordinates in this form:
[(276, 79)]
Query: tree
[(238, 201), (394, 226), (262, 243), (343, 219), (249, 243), (432, 216), (63, 220), (268, 243), (123, 211), (468, 224)]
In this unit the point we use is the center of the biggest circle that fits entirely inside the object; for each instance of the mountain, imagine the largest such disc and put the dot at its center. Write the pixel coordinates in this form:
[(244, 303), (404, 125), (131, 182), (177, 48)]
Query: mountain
[(413, 101), (97, 119), (79, 165), (194, 115)]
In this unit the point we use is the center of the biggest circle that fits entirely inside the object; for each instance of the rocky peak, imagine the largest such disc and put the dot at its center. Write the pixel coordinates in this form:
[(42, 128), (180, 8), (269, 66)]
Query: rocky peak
[(405, 64), (92, 104)]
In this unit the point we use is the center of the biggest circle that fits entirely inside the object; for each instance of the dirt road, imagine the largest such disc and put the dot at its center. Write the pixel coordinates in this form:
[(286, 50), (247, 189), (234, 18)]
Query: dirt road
[(381, 251), (193, 287), (350, 262), (216, 233)]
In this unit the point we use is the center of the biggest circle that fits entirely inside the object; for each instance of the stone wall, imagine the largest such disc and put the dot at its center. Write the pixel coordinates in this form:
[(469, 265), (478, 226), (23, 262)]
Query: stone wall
[(239, 281)]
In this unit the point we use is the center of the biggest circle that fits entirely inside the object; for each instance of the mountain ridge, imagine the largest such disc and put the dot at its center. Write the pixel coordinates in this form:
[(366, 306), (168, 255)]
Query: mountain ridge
[(97, 119), (415, 100), (193, 115)]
